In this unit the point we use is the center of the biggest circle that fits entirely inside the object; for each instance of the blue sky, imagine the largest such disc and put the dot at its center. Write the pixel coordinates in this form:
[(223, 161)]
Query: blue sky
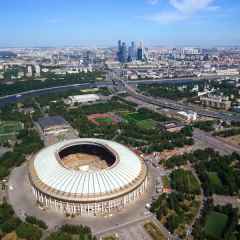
[(103, 22)]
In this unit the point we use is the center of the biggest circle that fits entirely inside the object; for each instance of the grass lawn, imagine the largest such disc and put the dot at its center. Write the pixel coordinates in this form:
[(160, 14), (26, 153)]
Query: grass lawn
[(8, 130), (215, 224), (147, 124), (214, 180), (153, 230), (5, 138), (140, 120), (135, 117), (92, 90), (166, 182), (185, 181), (104, 120), (10, 127)]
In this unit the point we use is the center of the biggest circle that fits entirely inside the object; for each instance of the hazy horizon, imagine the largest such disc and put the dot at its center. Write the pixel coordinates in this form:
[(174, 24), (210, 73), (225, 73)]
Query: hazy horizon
[(93, 23)]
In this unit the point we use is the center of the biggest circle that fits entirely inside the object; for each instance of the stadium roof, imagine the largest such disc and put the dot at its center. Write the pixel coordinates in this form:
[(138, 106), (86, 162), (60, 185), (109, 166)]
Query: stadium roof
[(127, 171)]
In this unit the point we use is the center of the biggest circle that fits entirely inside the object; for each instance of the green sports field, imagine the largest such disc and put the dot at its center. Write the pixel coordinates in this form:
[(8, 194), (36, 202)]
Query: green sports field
[(9, 129), (147, 124), (104, 120), (134, 117), (140, 120), (215, 224)]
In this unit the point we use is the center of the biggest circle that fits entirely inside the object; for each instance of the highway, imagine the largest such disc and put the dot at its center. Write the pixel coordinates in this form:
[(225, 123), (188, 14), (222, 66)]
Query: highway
[(47, 89), (4, 100), (106, 84), (166, 103)]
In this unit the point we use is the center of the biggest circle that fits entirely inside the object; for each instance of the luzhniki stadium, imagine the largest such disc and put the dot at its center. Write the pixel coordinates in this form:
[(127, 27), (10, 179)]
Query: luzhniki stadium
[(87, 176)]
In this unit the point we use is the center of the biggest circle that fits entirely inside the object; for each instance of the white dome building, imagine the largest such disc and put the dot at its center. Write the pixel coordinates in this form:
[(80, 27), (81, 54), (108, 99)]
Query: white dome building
[(87, 176)]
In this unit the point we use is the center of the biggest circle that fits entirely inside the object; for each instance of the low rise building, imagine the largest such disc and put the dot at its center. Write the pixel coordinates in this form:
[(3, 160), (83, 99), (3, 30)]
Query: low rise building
[(228, 72), (85, 98), (236, 109), (219, 102), (29, 71), (37, 71), (172, 126), (53, 125)]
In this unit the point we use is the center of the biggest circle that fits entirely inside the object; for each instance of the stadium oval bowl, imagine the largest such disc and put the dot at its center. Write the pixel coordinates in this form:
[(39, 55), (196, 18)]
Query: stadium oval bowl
[(106, 176)]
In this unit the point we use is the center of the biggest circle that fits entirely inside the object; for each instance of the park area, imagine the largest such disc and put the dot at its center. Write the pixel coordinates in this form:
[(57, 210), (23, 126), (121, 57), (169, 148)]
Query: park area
[(215, 224), (9, 129), (214, 181), (140, 119)]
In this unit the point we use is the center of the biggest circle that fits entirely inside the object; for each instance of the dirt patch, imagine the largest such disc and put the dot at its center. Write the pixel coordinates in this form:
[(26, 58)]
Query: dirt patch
[(233, 140)]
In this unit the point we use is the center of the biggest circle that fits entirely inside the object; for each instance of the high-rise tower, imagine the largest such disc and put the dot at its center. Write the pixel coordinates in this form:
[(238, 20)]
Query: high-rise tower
[(140, 52)]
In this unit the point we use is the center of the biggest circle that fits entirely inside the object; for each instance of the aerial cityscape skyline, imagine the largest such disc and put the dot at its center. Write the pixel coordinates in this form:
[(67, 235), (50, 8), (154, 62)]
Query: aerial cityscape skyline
[(120, 120), (162, 23)]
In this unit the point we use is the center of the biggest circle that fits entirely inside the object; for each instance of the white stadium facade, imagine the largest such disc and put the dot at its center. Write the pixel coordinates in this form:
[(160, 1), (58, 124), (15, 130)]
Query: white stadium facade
[(87, 176)]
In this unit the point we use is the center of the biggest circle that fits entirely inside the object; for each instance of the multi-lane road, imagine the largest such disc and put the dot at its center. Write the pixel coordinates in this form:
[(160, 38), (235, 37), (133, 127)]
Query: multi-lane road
[(166, 103), (87, 85)]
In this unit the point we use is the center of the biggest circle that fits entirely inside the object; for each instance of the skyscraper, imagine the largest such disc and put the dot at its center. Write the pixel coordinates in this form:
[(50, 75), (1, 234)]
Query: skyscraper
[(119, 45), (140, 52), (129, 54), (132, 52), (119, 50), (124, 53)]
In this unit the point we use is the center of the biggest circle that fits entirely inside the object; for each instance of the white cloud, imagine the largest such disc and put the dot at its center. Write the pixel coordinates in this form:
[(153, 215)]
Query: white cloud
[(152, 2), (190, 6), (182, 9), (166, 17)]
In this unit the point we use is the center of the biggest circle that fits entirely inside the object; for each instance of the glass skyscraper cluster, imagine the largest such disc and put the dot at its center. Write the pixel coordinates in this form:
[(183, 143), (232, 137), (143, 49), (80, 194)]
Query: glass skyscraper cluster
[(131, 53)]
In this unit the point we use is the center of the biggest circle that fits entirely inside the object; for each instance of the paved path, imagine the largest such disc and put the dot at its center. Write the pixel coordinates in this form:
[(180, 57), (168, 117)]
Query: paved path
[(215, 142), (224, 200), (123, 225), (136, 224)]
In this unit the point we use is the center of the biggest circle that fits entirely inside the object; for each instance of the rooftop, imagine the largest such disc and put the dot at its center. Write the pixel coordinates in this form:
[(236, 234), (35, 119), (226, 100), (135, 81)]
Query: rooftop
[(47, 122), (51, 175)]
